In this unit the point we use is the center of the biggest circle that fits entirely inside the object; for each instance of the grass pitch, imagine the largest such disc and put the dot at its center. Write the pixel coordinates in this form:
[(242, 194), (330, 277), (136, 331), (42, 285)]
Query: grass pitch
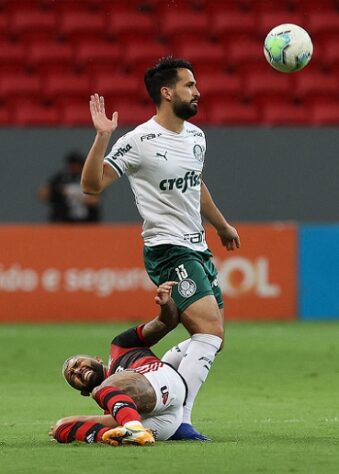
[(270, 403)]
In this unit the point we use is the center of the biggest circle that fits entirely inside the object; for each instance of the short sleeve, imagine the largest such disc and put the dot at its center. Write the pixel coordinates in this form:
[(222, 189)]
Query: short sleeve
[(124, 156)]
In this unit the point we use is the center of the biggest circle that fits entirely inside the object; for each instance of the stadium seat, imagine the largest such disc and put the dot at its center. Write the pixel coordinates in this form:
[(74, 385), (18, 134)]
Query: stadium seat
[(325, 113), (11, 54), (139, 56), (35, 114), (173, 24), (19, 85), (267, 83), (231, 112), (132, 111), (218, 86), (100, 52), (28, 19), (323, 22), (66, 84), (81, 24), (245, 51), (75, 113), (283, 113), (49, 53), (5, 115), (130, 26), (118, 85), (316, 6), (330, 52), (268, 20), (317, 84), (235, 22), (204, 55)]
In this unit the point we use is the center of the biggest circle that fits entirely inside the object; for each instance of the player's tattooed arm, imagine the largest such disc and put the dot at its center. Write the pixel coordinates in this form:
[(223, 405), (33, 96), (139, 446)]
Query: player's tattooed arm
[(168, 319)]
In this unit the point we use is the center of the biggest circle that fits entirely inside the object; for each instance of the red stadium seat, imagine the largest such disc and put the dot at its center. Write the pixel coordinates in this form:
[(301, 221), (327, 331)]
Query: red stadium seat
[(131, 25), (218, 86), (139, 56), (269, 20), (118, 85), (325, 112), (75, 113), (173, 23), (246, 51), (132, 112), (232, 112), (267, 83), (100, 52), (330, 51), (315, 6), (317, 84), (11, 54), (19, 85), (204, 55), (323, 22), (235, 22), (66, 84), (49, 53), (5, 115), (78, 24), (29, 113), (283, 113), (28, 19)]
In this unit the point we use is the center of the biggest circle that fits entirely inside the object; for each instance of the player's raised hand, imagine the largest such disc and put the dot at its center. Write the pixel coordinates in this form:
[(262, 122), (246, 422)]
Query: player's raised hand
[(229, 237), (101, 122), (164, 292)]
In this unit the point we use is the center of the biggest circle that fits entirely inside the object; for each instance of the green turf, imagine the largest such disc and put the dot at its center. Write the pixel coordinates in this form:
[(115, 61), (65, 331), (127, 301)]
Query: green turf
[(271, 403)]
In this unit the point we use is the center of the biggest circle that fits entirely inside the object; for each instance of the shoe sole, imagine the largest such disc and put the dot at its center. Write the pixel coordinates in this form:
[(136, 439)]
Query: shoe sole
[(120, 435)]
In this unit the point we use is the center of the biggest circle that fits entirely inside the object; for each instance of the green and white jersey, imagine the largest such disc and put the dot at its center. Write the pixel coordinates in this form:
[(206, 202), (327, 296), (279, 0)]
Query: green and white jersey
[(164, 169)]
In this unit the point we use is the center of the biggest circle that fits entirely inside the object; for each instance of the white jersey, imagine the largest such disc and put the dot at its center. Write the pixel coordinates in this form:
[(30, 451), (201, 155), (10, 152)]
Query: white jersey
[(164, 169)]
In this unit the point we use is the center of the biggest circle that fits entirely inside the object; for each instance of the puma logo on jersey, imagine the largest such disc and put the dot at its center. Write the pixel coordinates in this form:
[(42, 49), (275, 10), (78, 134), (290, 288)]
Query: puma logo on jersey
[(190, 180), (162, 155)]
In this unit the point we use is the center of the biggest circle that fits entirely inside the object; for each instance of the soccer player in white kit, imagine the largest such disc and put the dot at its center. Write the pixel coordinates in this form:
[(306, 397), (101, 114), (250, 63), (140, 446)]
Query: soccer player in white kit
[(163, 159)]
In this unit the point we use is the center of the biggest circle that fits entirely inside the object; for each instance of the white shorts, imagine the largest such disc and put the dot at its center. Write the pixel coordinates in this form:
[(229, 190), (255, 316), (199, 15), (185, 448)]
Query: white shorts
[(170, 391)]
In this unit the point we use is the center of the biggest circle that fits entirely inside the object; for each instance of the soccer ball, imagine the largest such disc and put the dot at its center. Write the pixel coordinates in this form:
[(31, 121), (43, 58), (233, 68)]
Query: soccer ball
[(288, 48)]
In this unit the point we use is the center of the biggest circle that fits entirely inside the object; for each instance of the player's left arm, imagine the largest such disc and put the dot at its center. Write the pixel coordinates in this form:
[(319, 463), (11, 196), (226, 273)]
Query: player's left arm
[(228, 234)]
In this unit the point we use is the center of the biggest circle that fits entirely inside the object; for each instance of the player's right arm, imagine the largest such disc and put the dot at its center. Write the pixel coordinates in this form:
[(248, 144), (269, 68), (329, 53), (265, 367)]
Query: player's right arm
[(96, 174)]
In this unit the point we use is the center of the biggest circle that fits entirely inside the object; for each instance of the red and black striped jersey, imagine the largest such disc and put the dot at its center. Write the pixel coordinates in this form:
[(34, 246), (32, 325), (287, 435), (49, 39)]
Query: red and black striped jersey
[(129, 351)]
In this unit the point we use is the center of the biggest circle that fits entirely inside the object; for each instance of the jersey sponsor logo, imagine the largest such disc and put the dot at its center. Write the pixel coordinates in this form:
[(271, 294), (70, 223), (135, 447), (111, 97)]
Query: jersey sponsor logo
[(190, 180), (162, 155), (198, 153), (150, 136), (195, 133), (152, 367), (187, 288), (195, 238), (122, 151)]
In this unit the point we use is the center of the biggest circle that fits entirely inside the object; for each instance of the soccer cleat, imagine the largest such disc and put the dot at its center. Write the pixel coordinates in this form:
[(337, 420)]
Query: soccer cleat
[(187, 432), (123, 435)]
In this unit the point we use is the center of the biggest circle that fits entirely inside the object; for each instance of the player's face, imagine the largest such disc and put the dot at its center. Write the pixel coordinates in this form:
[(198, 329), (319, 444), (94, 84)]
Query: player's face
[(84, 373), (185, 96)]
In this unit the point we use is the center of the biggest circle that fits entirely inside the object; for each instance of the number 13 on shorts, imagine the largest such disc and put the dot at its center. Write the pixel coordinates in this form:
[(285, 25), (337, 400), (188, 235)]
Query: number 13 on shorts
[(181, 272)]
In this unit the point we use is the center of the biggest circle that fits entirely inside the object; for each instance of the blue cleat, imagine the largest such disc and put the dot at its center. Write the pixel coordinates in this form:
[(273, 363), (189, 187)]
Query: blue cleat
[(187, 432)]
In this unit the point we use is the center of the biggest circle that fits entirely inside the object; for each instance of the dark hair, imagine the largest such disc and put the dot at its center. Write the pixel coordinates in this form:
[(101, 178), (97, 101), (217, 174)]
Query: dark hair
[(163, 74), (74, 157)]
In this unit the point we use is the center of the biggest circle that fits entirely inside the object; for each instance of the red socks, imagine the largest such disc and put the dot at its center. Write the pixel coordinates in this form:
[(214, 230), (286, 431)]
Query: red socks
[(118, 404), (88, 432)]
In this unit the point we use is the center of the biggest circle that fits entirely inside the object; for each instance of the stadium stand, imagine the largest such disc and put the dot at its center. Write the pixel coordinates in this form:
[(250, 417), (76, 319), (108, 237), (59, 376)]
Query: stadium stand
[(72, 48)]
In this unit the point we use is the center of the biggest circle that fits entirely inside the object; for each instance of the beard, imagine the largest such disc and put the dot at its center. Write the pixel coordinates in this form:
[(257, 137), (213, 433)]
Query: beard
[(96, 378), (184, 110)]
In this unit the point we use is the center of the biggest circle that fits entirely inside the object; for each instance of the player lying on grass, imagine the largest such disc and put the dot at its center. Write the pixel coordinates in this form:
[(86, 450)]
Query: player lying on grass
[(142, 396)]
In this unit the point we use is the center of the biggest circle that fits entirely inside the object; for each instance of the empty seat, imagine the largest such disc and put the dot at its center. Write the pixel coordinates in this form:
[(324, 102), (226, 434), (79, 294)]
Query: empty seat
[(267, 83), (139, 56), (73, 24), (99, 52), (75, 113), (174, 22), (118, 85), (33, 113), (28, 19), (48, 53), (323, 22), (232, 112), (131, 25), (5, 115), (218, 86), (11, 53), (309, 85), (235, 22), (246, 51), (267, 21), (283, 113), (325, 113), (19, 84), (132, 112), (66, 84), (204, 55)]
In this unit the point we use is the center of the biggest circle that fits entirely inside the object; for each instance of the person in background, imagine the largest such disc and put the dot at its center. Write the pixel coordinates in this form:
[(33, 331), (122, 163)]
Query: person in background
[(63, 194)]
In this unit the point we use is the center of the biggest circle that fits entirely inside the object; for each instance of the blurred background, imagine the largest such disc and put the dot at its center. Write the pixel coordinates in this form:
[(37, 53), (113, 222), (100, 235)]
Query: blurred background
[(272, 161)]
